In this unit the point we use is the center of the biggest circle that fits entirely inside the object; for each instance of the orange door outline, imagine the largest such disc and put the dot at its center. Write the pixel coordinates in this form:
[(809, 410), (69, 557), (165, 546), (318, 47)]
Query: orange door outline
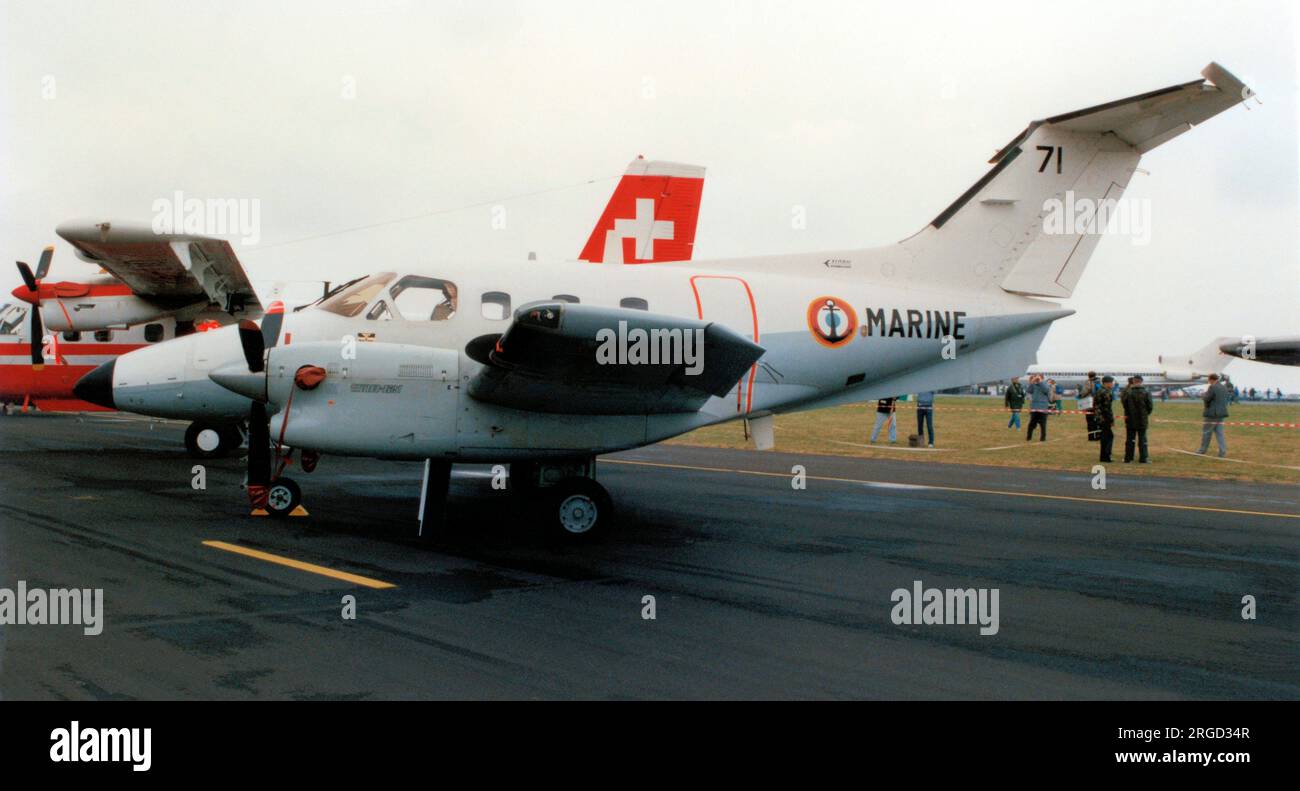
[(746, 389)]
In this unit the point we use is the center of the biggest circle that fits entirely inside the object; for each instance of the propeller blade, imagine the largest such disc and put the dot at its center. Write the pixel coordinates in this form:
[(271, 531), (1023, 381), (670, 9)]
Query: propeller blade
[(271, 324), (29, 279), (43, 266), (250, 337), (38, 337), (259, 446)]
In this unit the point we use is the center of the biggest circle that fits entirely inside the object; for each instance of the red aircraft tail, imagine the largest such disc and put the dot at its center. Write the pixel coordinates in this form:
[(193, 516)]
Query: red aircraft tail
[(651, 216)]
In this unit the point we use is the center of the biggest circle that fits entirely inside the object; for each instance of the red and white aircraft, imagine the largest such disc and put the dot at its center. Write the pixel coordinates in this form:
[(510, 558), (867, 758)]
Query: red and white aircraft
[(152, 288)]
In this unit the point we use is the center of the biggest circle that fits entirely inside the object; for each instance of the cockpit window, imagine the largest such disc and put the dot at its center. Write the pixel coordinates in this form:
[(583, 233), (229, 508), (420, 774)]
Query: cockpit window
[(353, 299), (419, 298), (380, 312)]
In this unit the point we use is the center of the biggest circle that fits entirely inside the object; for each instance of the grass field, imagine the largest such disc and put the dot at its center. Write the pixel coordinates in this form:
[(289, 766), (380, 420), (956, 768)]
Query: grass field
[(973, 430)]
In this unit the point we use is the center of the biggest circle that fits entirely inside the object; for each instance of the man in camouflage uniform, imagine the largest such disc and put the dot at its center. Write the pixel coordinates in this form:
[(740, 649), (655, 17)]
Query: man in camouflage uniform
[(1104, 416)]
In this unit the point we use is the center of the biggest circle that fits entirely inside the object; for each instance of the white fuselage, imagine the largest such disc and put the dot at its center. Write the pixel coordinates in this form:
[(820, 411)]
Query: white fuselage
[(897, 346)]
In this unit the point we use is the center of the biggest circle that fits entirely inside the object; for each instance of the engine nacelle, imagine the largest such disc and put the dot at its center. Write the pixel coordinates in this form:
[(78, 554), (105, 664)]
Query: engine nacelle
[(389, 400), (1182, 375), (89, 313)]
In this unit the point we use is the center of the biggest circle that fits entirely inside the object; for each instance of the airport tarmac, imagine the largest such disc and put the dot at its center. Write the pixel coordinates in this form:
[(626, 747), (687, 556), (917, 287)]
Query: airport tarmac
[(761, 590)]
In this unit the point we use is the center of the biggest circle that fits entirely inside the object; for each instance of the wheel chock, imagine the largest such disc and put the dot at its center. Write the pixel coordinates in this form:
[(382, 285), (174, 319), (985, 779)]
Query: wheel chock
[(299, 511)]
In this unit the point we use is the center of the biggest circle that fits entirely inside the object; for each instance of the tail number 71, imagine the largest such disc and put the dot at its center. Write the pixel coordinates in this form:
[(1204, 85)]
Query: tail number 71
[(1052, 151)]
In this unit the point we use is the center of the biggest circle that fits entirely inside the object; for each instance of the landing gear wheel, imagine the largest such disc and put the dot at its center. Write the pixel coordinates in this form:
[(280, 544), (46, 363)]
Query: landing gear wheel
[(206, 441), (578, 510), (282, 496)]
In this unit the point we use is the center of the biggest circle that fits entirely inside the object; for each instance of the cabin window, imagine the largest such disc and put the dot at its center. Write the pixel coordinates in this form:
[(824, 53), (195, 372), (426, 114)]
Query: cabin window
[(567, 298), (634, 303), (420, 298), (72, 337), (495, 305), (153, 333), (103, 336)]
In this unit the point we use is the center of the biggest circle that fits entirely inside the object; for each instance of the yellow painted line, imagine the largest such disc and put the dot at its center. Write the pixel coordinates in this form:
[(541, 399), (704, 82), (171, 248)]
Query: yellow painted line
[(356, 579), (966, 490)]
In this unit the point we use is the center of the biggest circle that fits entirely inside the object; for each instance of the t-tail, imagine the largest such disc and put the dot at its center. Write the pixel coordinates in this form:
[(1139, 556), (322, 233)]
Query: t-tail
[(651, 216), (1030, 225)]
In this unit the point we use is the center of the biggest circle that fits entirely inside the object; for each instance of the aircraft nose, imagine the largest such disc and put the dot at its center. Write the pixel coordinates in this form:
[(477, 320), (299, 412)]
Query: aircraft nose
[(25, 294), (97, 386)]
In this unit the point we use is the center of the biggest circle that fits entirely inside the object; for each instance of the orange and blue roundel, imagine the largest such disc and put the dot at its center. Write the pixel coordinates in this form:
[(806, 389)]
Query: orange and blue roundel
[(832, 321)]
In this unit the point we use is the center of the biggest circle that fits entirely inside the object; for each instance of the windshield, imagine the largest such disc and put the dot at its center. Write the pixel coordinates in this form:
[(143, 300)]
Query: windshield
[(353, 299)]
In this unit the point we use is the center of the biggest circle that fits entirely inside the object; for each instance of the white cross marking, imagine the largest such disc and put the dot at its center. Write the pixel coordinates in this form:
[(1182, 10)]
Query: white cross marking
[(644, 229)]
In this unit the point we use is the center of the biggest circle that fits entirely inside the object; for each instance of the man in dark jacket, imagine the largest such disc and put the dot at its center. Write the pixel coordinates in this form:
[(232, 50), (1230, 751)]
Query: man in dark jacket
[(1216, 399), (1137, 409), (885, 408), (1015, 401), (1040, 406), (1104, 417)]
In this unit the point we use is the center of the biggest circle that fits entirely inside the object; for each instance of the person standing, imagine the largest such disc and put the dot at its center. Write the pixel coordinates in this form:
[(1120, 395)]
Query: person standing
[(1104, 414), (1086, 392), (885, 414), (1215, 398), (1040, 404), (925, 415), (1015, 401), (1137, 409)]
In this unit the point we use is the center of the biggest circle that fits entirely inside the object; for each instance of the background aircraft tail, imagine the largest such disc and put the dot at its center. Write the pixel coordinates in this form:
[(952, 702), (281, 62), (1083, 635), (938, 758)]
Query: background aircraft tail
[(651, 216), (1029, 224), (1208, 359)]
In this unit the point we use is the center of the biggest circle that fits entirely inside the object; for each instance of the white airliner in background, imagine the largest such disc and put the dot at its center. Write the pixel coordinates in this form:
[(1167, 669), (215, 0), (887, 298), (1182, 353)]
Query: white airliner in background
[(1171, 369), (508, 363)]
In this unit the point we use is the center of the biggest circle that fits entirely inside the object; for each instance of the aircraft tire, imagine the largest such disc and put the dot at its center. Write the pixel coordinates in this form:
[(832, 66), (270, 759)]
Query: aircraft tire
[(579, 510), (282, 496)]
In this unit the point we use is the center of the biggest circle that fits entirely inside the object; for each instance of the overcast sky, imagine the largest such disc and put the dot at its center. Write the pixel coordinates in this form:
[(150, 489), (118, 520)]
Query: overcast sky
[(870, 116)]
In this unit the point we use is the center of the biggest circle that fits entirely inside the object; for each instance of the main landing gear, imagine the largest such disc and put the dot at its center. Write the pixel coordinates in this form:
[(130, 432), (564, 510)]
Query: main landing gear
[(572, 506), (211, 440)]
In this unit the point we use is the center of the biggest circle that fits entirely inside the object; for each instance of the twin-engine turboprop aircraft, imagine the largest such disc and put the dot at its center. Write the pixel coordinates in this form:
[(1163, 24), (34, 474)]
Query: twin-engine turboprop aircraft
[(158, 286), (546, 367)]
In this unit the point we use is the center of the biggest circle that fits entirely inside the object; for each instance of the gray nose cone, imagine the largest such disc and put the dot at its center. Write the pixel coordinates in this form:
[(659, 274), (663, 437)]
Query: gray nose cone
[(238, 379), (97, 386)]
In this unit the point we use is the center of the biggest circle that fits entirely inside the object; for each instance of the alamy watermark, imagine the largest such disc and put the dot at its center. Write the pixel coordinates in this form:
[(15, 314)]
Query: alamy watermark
[(933, 606), (209, 216), (1091, 216), (53, 607), (658, 346)]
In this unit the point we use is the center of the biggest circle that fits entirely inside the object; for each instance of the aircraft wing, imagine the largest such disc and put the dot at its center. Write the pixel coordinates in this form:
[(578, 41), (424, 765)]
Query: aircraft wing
[(166, 267), (585, 360)]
